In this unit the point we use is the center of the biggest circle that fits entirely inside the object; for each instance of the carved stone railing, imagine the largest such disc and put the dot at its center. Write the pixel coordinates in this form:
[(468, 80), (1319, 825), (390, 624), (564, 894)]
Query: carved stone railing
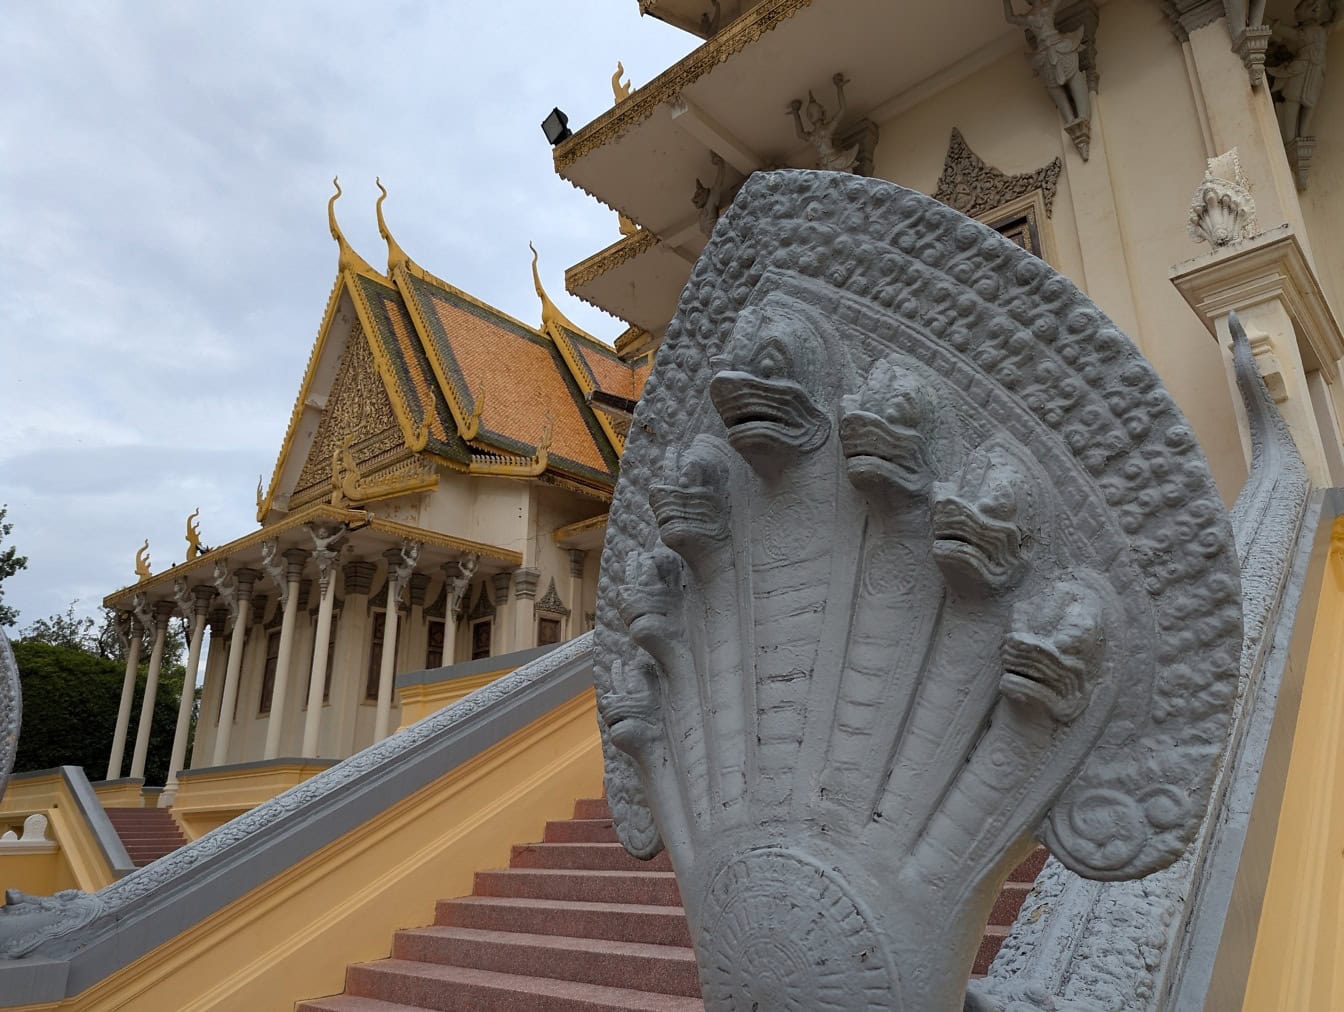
[(60, 946)]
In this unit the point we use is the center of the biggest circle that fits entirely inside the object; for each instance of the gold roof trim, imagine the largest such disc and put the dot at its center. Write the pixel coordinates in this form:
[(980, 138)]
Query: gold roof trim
[(349, 486), (662, 89), (562, 534), (395, 254), (316, 512), (349, 260), (622, 251)]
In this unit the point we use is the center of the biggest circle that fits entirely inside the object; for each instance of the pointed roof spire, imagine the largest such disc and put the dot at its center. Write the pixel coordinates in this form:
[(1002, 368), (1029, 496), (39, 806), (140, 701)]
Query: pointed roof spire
[(550, 312), (349, 259), (395, 254)]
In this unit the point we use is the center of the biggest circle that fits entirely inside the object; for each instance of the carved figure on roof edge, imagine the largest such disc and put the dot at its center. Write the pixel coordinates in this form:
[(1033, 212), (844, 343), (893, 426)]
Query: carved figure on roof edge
[(708, 200), (1055, 59), (894, 530), (1299, 78), (820, 128)]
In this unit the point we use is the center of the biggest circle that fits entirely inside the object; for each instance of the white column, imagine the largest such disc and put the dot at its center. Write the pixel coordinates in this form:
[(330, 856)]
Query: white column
[(577, 558), (246, 578), (502, 641), (388, 663), (294, 559), (163, 611), (182, 733), (124, 709), (321, 641), (525, 582)]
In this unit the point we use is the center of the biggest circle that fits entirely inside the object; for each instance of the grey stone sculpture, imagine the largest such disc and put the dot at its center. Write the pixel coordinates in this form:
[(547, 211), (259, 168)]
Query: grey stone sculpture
[(819, 129), (911, 557), (1299, 79), (1055, 57), (1080, 946), (11, 710)]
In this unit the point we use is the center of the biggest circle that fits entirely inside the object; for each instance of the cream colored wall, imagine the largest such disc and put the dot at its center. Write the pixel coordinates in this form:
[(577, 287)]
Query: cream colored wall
[(489, 510), (1118, 222), (1323, 200)]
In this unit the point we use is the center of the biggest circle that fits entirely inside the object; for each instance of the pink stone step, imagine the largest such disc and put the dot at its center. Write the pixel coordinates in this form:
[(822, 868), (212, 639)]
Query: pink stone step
[(658, 888), (584, 857), (990, 944), (592, 808), (665, 969), (353, 1003), (1009, 902), (454, 988), (1030, 868), (629, 922), (580, 831)]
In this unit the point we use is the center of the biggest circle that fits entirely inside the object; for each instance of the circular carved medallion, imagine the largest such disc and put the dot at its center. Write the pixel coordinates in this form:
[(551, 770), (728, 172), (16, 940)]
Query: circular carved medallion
[(783, 933)]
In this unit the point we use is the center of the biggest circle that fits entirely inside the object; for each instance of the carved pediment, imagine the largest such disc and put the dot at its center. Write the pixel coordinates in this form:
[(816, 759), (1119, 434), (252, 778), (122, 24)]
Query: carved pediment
[(972, 186), (358, 407)]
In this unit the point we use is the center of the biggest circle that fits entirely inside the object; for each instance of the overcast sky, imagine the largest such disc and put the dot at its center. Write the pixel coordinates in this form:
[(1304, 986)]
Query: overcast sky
[(164, 173)]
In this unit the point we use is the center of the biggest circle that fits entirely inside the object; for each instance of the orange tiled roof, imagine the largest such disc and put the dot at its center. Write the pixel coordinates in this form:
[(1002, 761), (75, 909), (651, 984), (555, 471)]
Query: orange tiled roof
[(517, 371)]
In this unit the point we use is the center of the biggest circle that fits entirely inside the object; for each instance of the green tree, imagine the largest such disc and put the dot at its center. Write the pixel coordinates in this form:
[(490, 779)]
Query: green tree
[(64, 630), (70, 700), (10, 563)]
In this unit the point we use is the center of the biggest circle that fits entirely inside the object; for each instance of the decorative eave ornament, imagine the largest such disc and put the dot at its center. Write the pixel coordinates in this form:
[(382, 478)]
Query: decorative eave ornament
[(142, 570), (1065, 61), (972, 186), (913, 562), (1222, 210)]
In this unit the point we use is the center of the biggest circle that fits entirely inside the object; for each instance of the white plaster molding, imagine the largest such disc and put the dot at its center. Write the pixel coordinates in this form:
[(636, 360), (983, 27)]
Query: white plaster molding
[(1271, 266), (33, 841), (1222, 210), (713, 135)]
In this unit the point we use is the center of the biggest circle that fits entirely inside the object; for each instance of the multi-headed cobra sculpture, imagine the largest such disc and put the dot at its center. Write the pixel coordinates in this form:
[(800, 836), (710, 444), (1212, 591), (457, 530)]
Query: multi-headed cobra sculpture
[(913, 562)]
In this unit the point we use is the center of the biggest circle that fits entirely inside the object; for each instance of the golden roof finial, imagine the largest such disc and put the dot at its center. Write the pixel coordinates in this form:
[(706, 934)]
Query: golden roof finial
[(620, 89), (550, 312), (349, 259), (142, 561), (395, 254), (193, 536)]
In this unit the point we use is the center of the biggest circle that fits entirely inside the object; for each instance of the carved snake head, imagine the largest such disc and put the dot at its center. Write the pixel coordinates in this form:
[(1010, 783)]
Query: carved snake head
[(1053, 653), (630, 709), (650, 603), (886, 429), (692, 510), (980, 524), (760, 389)]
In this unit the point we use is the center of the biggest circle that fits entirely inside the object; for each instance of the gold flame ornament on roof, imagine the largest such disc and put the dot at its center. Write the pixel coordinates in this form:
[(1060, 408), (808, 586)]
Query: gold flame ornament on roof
[(395, 254), (620, 89), (193, 535), (142, 561)]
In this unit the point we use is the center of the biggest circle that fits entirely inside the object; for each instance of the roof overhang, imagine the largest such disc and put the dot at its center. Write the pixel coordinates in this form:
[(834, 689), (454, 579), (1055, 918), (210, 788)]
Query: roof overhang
[(731, 95), (375, 534), (638, 279)]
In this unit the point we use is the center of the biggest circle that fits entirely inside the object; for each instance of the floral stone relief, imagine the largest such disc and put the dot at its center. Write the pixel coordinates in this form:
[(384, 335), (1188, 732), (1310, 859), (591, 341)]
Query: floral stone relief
[(911, 555)]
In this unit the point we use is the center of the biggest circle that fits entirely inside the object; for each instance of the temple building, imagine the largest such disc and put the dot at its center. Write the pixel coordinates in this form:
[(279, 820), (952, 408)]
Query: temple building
[(435, 520), (441, 456)]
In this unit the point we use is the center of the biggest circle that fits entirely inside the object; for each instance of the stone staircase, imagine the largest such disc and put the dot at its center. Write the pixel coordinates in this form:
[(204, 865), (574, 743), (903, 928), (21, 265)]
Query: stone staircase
[(148, 833), (574, 924)]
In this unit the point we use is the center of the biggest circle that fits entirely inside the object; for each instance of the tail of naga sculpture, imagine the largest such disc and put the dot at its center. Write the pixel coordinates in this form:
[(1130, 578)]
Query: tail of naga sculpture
[(11, 711), (913, 562)]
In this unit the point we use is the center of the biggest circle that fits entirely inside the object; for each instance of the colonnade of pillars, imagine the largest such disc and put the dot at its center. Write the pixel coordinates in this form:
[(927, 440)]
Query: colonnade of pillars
[(236, 590)]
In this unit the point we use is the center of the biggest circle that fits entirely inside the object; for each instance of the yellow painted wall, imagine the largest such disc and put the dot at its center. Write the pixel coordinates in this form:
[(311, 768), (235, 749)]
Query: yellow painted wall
[(79, 862), (292, 938), (1297, 962), (210, 799)]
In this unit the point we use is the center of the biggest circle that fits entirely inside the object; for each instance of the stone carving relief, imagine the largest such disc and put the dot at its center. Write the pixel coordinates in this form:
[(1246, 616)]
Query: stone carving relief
[(1080, 945), (275, 569), (1298, 77), (891, 591), (814, 125), (1222, 210), (11, 710), (973, 186), (708, 200), (357, 407), (1064, 60)]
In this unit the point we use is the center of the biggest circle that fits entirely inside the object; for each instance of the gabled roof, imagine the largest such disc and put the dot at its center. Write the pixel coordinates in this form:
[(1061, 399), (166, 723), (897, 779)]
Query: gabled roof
[(469, 385)]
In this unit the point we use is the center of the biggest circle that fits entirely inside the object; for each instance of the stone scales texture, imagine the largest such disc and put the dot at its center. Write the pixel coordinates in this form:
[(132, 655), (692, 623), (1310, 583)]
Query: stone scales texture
[(11, 711), (870, 406)]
